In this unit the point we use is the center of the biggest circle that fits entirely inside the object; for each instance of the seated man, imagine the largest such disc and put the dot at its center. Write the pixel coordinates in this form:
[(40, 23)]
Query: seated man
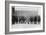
[(14, 19), (31, 19), (22, 19), (39, 19), (35, 19)]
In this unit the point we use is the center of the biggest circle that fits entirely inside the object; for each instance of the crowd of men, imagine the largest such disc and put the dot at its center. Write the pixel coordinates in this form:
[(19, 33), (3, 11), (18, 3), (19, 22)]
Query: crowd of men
[(23, 19)]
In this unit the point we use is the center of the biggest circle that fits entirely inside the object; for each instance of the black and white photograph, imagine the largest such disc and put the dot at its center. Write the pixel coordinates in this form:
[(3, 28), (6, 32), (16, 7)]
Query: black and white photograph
[(22, 17), (25, 17)]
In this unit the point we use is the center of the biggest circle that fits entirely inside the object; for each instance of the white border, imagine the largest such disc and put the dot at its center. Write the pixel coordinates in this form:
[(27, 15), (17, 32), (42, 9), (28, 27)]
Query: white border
[(10, 14)]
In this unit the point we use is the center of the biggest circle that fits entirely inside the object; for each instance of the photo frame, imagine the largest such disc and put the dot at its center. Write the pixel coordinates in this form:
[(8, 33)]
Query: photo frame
[(24, 9)]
